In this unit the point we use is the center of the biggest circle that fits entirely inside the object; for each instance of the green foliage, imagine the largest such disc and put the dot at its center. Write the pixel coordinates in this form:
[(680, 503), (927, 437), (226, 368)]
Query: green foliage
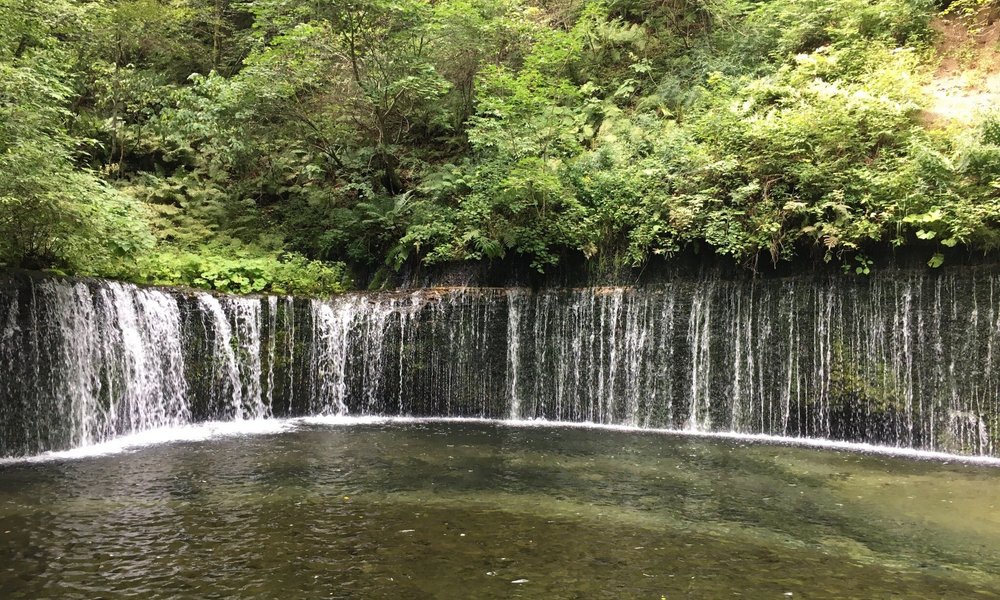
[(244, 272), (233, 145), (969, 9), (53, 211), (807, 144), (521, 207)]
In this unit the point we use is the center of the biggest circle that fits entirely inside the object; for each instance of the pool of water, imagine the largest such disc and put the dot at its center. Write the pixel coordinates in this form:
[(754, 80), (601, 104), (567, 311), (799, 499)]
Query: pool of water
[(483, 510)]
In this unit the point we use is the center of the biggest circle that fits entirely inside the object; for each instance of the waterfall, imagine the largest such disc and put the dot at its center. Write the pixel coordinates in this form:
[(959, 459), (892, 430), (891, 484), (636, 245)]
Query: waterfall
[(225, 377), (514, 311), (272, 349), (82, 364), (902, 358), (153, 388), (329, 353)]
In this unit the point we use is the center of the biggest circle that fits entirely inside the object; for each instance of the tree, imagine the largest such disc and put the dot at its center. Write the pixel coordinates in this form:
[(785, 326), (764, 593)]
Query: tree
[(52, 210)]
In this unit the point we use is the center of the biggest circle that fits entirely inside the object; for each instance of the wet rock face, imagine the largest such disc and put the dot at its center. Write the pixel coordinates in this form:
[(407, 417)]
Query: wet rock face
[(904, 358)]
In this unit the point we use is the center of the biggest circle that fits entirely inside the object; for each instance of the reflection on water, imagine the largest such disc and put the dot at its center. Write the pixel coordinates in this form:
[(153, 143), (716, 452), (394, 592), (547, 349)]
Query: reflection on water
[(479, 510)]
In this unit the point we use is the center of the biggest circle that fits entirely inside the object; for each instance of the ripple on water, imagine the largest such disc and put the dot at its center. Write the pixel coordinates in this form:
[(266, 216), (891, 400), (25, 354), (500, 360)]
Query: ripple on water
[(429, 509)]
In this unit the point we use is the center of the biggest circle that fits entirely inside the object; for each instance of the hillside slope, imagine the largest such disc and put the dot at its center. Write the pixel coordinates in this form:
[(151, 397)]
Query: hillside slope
[(966, 83)]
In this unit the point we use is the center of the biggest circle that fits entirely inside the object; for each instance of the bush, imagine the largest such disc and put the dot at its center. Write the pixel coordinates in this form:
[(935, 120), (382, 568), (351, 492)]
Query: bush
[(287, 274)]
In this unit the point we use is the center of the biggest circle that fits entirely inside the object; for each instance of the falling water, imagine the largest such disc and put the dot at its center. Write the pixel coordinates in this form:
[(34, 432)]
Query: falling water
[(225, 371), (903, 359), (272, 350), (328, 355), (83, 363), (514, 310)]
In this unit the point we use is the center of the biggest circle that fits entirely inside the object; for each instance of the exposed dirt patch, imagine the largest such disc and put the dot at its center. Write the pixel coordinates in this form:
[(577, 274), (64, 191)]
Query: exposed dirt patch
[(967, 80)]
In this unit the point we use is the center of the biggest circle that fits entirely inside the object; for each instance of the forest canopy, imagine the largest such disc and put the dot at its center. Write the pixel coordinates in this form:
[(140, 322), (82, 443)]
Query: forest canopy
[(284, 145)]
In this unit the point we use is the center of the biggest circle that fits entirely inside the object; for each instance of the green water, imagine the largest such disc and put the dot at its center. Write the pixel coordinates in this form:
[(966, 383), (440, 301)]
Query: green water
[(476, 510)]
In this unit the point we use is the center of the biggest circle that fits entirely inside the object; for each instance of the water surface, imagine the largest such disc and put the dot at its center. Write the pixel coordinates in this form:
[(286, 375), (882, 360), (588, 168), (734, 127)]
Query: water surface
[(481, 510)]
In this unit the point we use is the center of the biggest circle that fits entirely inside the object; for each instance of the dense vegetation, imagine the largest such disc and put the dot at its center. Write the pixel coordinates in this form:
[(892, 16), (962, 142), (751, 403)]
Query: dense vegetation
[(282, 144)]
